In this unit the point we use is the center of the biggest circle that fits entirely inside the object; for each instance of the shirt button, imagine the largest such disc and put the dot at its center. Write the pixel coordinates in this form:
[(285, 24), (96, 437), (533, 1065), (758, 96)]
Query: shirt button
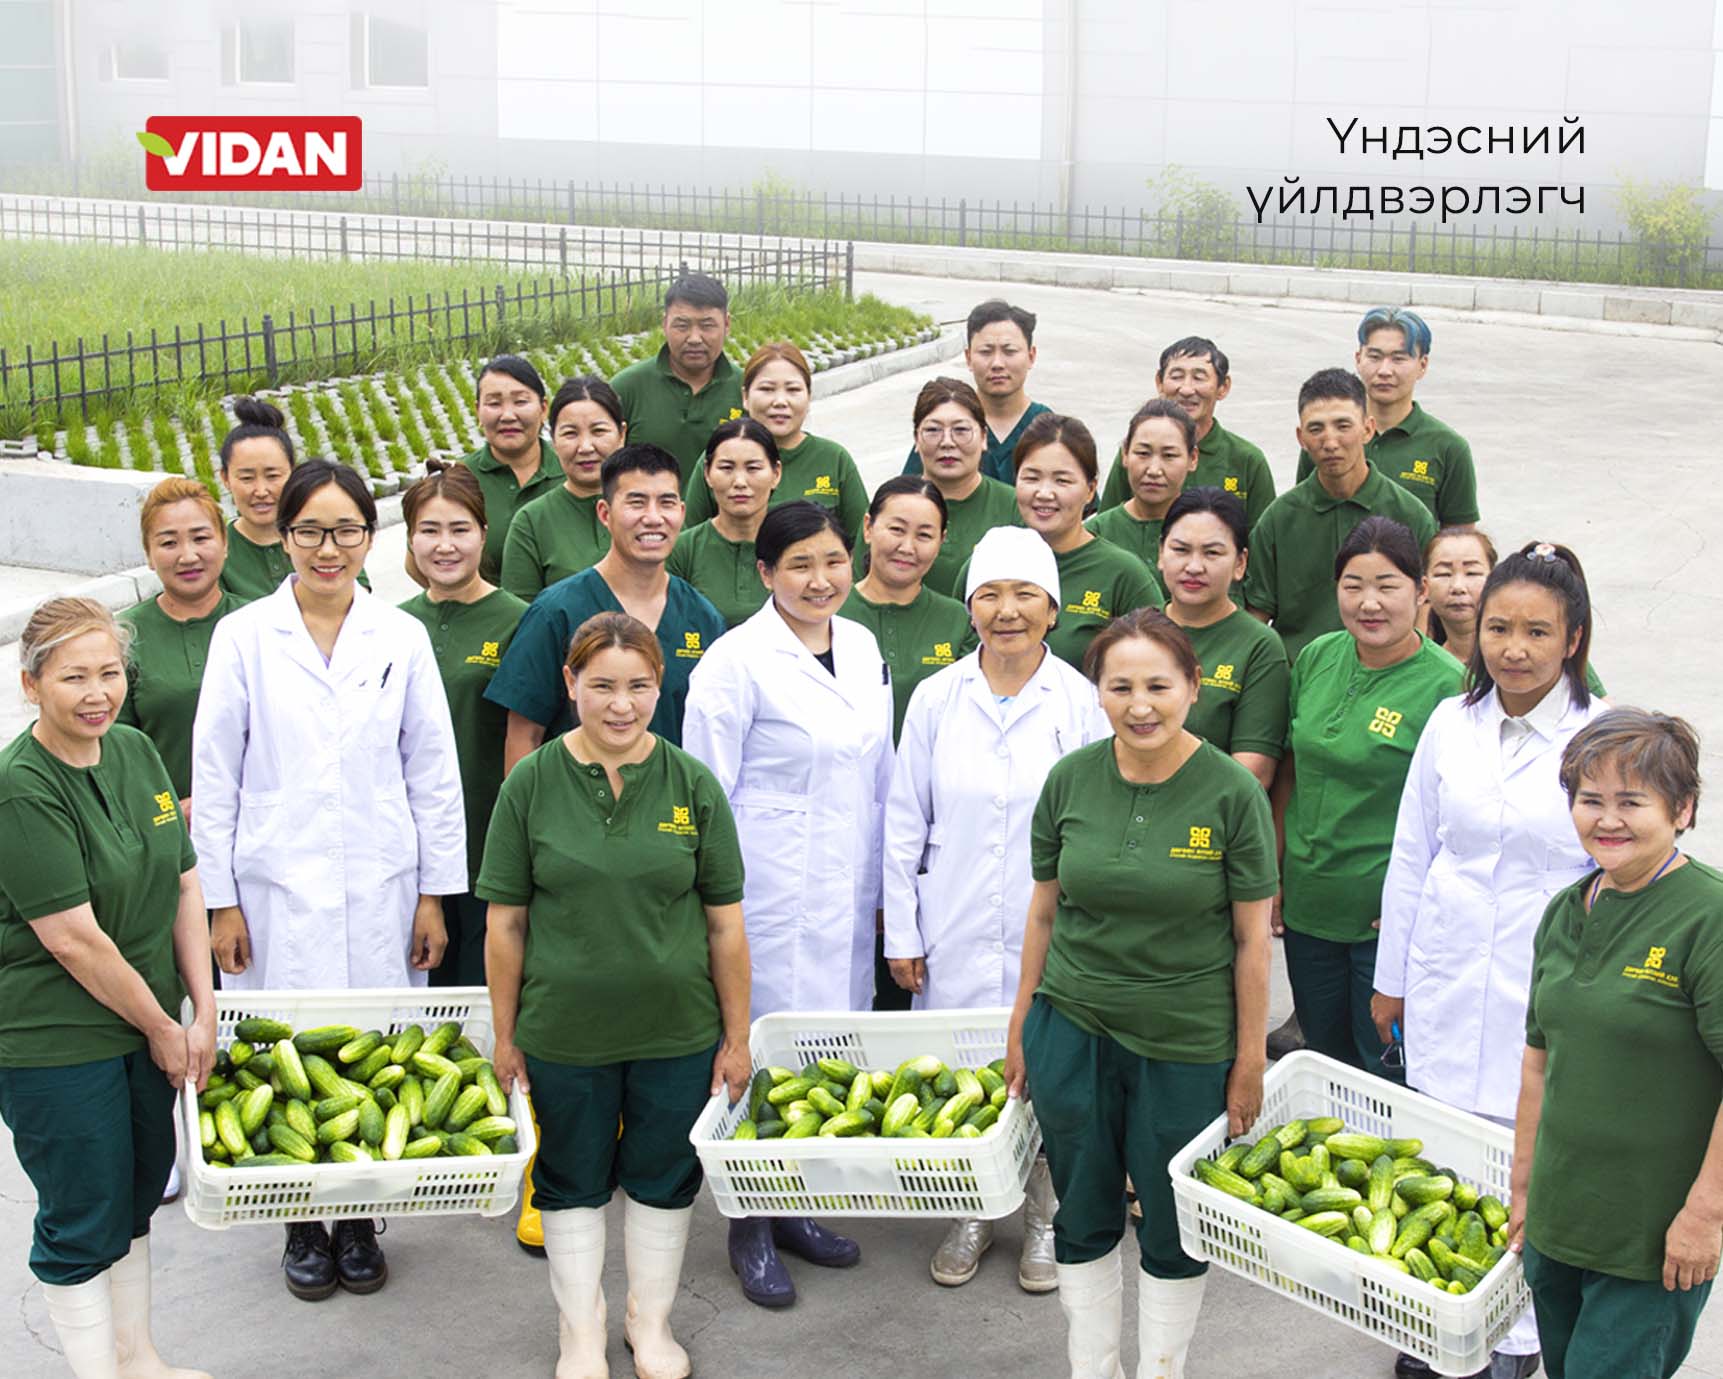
[(999, 801), (1132, 843), (993, 900), (998, 851), (1001, 750)]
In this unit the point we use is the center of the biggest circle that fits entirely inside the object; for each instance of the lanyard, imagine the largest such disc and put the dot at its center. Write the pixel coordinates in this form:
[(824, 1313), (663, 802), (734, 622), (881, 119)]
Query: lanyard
[(1597, 884)]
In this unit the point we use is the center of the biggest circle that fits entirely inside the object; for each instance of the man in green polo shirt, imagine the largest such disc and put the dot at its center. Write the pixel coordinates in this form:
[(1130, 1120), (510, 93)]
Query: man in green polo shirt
[(1289, 582), (674, 399), (1195, 373), (1000, 353), (1426, 457)]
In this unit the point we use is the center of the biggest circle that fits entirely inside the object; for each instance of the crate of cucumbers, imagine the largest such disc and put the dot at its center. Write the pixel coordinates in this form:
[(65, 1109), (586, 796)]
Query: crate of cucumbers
[(1366, 1201), (352, 1103), (899, 1113)]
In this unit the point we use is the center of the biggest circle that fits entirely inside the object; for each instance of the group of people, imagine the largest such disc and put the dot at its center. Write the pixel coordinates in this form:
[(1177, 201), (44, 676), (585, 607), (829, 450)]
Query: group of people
[(687, 727)]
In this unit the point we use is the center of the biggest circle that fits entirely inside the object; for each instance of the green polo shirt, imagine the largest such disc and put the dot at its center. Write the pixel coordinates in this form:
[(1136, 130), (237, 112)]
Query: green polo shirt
[(1628, 1003), (1430, 460), (552, 538), (725, 571), (163, 676), (1242, 700), (251, 571), (818, 470), (664, 411), (1291, 572), (1098, 582), (109, 834), (618, 965), (969, 519), (1142, 947), (1130, 533), (1353, 731), (469, 641), (529, 681), (504, 497), (917, 638), (999, 459), (1225, 461)]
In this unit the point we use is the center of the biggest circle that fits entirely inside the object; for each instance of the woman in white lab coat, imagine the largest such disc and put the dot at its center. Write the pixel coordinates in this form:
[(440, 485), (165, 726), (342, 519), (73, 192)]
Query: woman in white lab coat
[(978, 741), (792, 711), (329, 821), (1483, 841)]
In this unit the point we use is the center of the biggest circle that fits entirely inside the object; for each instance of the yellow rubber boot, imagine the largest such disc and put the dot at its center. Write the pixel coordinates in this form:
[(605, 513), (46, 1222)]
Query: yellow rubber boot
[(529, 1230)]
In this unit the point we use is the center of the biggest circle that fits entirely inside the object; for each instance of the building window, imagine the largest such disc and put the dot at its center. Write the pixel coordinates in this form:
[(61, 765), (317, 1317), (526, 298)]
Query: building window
[(259, 51), (388, 53), (137, 59)]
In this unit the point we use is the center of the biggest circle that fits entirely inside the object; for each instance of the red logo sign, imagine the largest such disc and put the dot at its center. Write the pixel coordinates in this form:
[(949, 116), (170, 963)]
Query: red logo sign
[(199, 153)]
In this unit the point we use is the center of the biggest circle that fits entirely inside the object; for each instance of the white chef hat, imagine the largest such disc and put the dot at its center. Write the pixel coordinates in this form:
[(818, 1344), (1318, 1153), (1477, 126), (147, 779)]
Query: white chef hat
[(1013, 553)]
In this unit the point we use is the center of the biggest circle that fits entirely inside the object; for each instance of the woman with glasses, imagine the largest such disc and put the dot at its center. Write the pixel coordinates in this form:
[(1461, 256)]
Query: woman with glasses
[(950, 437), (329, 822)]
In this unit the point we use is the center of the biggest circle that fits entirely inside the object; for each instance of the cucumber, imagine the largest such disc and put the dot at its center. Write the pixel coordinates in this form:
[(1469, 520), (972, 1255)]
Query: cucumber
[(246, 1080), (439, 1039), (373, 1123), (214, 1096), (239, 1053), (1383, 1230), (301, 1120), (778, 1074), (333, 1106), (491, 1128), (384, 1098), (1332, 1199), (395, 1133), (1353, 1173), (407, 1043), (1226, 1180), (1326, 1125), (906, 1079), (1474, 1236), (804, 1126), (324, 1039), (898, 1116), (341, 1127), (440, 1100), (1229, 1160), (1421, 1265), (957, 1110), (1269, 1197), (839, 1070), (1292, 1134), (1361, 1220), (290, 1142), (1301, 1173), (1289, 1194), (295, 1081), (466, 1109), (791, 1089), (206, 1128), (343, 1152), (847, 1124), (411, 1094), (260, 1141), (757, 1089), (254, 1108), (769, 1130), (1263, 1156), (990, 1081), (825, 1103), (1415, 1232), (371, 1064), (229, 1130), (1380, 1189), (1494, 1213), (434, 1065), (745, 1130), (968, 1082), (1329, 1223), (1466, 1196), (258, 1029), (882, 1081), (355, 1049), (387, 1079), (467, 1146), (1354, 1146), (861, 1092), (1405, 1149), (320, 1071), (983, 1120), (1423, 1190), (496, 1100), (469, 1069), (427, 1147)]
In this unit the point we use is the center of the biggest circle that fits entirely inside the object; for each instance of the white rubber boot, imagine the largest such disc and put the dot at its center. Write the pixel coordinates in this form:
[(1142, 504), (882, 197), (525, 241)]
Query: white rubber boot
[(129, 1286), (574, 1249), (83, 1317), (654, 1241), (1167, 1311), (1089, 1295)]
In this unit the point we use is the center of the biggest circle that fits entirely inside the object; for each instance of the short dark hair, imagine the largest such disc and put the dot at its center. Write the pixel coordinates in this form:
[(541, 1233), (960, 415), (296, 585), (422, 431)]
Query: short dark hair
[(697, 289), (995, 310), (1658, 750), (789, 523), (1412, 327), (1168, 410), (1052, 429), (1195, 347), (512, 366), (742, 428), (1151, 625), (312, 475), (256, 419), (1218, 501), (587, 388), (908, 486), (936, 392), (1383, 536), (1332, 385), (642, 458), (1557, 569)]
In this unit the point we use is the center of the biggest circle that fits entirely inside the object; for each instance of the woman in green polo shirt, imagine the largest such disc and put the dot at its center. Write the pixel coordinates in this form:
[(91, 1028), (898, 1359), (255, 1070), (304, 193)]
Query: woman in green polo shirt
[(1205, 546), (1159, 455), (950, 430), (1143, 1000), (1056, 471), (1618, 1159), (618, 967), (559, 534), (741, 471), (1359, 699), (256, 458), (516, 465), (186, 546), (102, 935)]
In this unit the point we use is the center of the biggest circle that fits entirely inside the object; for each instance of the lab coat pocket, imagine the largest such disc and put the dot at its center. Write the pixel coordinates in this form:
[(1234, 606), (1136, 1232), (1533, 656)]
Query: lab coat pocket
[(258, 844), (774, 829), (394, 834)]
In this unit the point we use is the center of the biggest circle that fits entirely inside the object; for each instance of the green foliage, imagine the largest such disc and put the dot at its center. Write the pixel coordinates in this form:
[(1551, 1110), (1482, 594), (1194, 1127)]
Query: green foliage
[(1198, 219), (1670, 223)]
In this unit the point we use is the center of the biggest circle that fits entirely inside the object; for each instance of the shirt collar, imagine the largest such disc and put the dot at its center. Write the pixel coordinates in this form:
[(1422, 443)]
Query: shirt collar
[(1324, 501), (483, 459), (722, 369), (1410, 425), (1545, 716)]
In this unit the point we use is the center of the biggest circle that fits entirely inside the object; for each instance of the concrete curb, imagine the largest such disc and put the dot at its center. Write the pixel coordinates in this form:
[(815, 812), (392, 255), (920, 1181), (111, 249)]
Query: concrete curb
[(1590, 302), (846, 377)]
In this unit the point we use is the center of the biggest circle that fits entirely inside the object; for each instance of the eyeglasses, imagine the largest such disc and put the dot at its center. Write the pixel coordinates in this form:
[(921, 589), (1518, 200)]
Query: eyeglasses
[(309, 536), (962, 433)]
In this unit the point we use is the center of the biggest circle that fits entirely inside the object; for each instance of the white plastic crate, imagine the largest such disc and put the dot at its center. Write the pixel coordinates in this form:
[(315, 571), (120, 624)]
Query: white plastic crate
[(980, 1178), (1453, 1334), (216, 1198)]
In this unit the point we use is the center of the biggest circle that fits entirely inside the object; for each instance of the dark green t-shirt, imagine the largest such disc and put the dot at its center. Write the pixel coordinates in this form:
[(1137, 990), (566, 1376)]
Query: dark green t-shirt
[(469, 641), (251, 571), (164, 675), (725, 571), (109, 834), (504, 498), (618, 965), (916, 638), (818, 470), (969, 519), (1242, 700), (1291, 572), (552, 538), (529, 681), (1224, 461), (1353, 731), (1142, 947), (1130, 533), (999, 459), (1427, 458), (664, 411)]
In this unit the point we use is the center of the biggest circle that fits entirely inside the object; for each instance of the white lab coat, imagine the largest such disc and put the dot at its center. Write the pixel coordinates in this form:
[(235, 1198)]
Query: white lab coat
[(328, 796), (1480, 847), (969, 772), (805, 758)]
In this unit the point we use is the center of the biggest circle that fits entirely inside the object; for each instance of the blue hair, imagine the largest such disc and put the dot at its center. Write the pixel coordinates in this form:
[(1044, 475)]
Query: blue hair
[(1409, 323)]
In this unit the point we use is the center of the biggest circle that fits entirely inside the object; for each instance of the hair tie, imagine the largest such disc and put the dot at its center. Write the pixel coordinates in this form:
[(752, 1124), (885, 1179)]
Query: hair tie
[(1544, 551)]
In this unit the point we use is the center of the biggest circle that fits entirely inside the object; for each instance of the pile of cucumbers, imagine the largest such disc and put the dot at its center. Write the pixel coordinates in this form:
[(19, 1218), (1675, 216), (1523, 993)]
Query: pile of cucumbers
[(920, 1099), (1377, 1196), (340, 1095)]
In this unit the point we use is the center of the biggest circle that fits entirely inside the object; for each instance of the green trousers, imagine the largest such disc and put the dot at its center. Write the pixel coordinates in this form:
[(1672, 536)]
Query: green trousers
[(581, 1158), (1597, 1326), (1105, 1112), (463, 961), (1331, 988), (97, 1142)]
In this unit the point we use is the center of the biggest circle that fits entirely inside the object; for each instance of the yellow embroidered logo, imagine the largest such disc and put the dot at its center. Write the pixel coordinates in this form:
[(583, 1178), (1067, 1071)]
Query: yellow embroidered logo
[(690, 648), (1090, 606), (941, 655), (1419, 473), (1231, 483), (1386, 721), (734, 413), (489, 655), (823, 488), (1651, 970), (1420, 466), (1201, 847), (1224, 677), (681, 822), (167, 808)]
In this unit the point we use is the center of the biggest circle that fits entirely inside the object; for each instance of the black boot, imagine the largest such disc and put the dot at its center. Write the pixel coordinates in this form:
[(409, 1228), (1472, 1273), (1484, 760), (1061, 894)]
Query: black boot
[(358, 1258), (307, 1264)]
